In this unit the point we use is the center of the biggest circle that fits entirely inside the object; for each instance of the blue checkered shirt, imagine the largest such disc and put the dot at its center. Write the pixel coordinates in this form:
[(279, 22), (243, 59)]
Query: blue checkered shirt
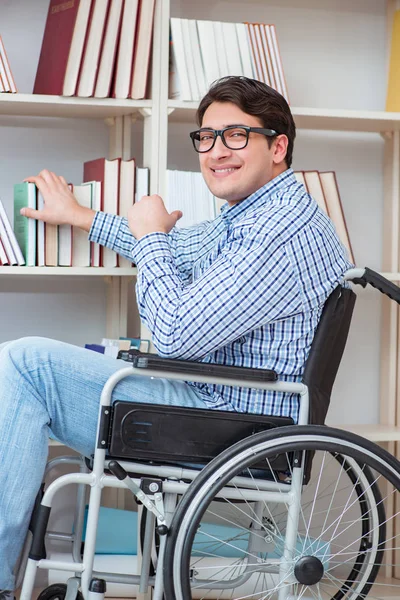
[(246, 289)]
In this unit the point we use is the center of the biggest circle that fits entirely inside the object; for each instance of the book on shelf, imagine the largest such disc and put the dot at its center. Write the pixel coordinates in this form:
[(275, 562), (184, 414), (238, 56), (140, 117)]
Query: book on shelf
[(7, 83), (10, 242), (40, 235), (393, 87), (109, 50), (3, 255), (24, 228), (203, 51), (51, 245), (107, 172), (80, 242), (124, 59), (127, 185), (95, 36), (323, 187), (62, 47), (141, 58), (187, 191), (95, 193)]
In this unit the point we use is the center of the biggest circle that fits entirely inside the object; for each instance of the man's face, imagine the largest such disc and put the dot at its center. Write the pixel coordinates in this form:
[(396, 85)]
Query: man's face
[(233, 175)]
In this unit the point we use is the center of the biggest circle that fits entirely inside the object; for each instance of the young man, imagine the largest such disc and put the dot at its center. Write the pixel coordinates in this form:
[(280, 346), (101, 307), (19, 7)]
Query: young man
[(246, 289)]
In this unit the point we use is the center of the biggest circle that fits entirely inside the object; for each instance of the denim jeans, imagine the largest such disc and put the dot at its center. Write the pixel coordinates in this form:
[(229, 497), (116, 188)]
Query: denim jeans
[(49, 388)]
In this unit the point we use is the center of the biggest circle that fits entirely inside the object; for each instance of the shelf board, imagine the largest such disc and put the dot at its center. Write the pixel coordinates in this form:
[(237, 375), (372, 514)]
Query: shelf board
[(313, 118), (69, 271), (374, 433), (35, 105)]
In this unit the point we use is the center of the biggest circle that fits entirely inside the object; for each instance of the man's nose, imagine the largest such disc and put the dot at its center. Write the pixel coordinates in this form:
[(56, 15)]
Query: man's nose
[(220, 150)]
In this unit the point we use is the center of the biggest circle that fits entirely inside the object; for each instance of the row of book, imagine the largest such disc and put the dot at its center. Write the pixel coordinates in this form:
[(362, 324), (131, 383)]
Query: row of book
[(188, 192), (7, 83), (97, 48), (203, 51), (109, 185)]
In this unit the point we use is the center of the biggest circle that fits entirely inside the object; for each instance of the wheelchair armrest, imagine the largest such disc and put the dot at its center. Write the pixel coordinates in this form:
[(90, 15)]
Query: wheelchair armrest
[(187, 367), (379, 282)]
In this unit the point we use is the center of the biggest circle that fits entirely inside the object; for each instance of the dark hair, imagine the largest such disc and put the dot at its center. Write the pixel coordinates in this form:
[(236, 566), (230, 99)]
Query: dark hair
[(257, 99)]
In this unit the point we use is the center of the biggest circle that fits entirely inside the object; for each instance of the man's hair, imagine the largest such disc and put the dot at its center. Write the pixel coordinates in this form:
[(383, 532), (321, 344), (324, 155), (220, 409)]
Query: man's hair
[(257, 99)]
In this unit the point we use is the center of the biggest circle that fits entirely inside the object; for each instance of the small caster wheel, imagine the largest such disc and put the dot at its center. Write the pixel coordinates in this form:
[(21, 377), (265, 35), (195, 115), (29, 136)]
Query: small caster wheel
[(57, 591)]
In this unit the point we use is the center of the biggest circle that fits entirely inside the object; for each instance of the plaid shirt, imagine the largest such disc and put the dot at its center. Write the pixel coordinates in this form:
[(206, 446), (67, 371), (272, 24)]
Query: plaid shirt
[(246, 289)]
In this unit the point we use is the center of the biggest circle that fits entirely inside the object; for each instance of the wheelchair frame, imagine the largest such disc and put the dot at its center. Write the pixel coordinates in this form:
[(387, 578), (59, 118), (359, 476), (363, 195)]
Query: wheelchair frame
[(176, 480)]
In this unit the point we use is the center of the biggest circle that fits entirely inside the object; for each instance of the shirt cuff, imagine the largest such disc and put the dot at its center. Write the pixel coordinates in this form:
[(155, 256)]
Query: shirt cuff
[(105, 229), (151, 247)]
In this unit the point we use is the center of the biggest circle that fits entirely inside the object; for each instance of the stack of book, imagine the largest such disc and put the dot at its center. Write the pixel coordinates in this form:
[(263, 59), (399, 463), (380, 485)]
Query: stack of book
[(7, 83), (109, 186), (97, 48), (203, 51)]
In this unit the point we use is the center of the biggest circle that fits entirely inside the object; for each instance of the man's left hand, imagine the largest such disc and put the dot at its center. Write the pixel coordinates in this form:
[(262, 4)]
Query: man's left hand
[(150, 215)]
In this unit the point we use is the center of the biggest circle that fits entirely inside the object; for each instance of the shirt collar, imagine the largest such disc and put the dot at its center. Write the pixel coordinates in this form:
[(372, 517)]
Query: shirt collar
[(258, 198)]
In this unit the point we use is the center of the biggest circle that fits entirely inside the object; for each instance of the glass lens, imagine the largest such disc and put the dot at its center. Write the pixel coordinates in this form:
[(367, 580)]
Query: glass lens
[(235, 138), (204, 139)]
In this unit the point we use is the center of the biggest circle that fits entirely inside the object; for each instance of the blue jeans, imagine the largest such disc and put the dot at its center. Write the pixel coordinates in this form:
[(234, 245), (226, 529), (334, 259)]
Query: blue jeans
[(49, 388)]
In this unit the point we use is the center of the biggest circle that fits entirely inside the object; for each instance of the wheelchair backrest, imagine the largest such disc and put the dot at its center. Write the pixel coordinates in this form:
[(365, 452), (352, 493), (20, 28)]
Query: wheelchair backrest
[(327, 350)]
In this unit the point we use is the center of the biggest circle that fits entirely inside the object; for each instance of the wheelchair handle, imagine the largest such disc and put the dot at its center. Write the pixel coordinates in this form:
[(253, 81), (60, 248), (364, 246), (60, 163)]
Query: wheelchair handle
[(367, 276)]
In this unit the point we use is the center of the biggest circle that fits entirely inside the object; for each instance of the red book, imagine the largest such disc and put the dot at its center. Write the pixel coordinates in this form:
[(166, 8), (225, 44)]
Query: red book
[(107, 172), (65, 27)]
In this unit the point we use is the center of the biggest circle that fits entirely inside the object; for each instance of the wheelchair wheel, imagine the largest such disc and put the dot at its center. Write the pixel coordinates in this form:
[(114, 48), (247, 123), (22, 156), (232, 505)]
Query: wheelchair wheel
[(243, 531), (57, 591)]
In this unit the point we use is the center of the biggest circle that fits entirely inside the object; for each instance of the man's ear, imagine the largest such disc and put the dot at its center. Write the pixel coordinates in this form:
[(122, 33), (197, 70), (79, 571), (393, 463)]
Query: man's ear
[(280, 148)]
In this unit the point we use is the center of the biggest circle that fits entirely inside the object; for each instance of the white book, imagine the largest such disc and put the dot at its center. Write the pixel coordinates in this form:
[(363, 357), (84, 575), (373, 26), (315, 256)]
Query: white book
[(16, 250), (4, 260), (258, 73), (41, 258), (141, 60), (271, 48), (76, 48), (194, 88), (108, 51), (80, 241), (11, 259), (126, 195), (198, 65), (142, 183), (179, 59), (87, 76), (300, 177), (208, 51), (267, 55), (244, 49), (221, 56), (3, 75), (314, 187), (124, 61), (6, 64), (279, 62), (96, 206), (232, 49), (261, 55)]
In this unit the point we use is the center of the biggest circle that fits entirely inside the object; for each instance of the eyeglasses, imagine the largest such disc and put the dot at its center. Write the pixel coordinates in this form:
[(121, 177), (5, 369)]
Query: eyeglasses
[(233, 137)]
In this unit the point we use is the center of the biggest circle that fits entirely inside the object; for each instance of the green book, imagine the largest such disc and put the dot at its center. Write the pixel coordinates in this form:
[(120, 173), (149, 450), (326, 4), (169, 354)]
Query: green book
[(24, 228)]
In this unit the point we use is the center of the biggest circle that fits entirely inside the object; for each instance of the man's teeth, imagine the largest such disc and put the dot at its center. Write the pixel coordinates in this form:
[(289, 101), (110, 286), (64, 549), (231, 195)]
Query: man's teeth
[(224, 170)]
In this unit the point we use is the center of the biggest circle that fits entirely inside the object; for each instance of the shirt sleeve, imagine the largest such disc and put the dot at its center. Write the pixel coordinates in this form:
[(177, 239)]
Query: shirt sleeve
[(250, 284), (113, 232)]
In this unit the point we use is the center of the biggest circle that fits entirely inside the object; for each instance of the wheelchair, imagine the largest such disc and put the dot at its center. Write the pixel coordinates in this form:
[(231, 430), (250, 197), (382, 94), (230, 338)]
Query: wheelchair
[(237, 506)]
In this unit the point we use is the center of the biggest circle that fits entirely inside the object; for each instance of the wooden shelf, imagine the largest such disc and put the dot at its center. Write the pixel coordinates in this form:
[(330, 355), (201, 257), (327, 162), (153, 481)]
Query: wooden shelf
[(35, 105), (374, 433), (69, 271), (313, 118)]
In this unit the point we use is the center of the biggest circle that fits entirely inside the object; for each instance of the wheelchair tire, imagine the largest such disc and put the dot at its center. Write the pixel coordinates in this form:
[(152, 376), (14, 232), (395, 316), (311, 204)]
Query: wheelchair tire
[(56, 591), (340, 539)]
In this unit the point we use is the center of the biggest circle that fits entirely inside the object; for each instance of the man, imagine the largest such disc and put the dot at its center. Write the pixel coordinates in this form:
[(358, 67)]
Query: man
[(246, 289)]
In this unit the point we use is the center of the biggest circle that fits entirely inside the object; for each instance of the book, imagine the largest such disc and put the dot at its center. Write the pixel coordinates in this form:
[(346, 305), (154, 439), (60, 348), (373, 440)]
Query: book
[(142, 183), (96, 205), (141, 60), (4, 260), (179, 61), (335, 208), (80, 241), (314, 187), (76, 48), (9, 236), (124, 60), (7, 68), (51, 245), (4, 79), (24, 228), (208, 51), (93, 44), (40, 235), (63, 32), (393, 88), (107, 172), (109, 50)]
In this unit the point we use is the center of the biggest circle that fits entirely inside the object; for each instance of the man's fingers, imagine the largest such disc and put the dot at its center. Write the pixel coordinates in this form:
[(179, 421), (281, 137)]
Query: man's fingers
[(177, 214), (31, 213), (63, 180)]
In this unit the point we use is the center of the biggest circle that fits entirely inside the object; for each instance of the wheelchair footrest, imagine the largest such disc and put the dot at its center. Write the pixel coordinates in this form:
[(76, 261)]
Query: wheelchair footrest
[(176, 434)]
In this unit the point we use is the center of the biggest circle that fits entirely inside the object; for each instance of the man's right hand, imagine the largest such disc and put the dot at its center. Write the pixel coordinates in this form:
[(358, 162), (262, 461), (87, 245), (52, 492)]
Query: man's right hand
[(60, 205)]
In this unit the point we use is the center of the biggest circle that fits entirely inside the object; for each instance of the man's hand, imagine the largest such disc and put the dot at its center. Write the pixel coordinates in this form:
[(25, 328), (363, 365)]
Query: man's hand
[(60, 205), (150, 215)]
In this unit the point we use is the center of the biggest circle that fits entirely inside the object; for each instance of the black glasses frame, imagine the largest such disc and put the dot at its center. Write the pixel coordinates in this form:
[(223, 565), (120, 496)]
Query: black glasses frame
[(221, 133)]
